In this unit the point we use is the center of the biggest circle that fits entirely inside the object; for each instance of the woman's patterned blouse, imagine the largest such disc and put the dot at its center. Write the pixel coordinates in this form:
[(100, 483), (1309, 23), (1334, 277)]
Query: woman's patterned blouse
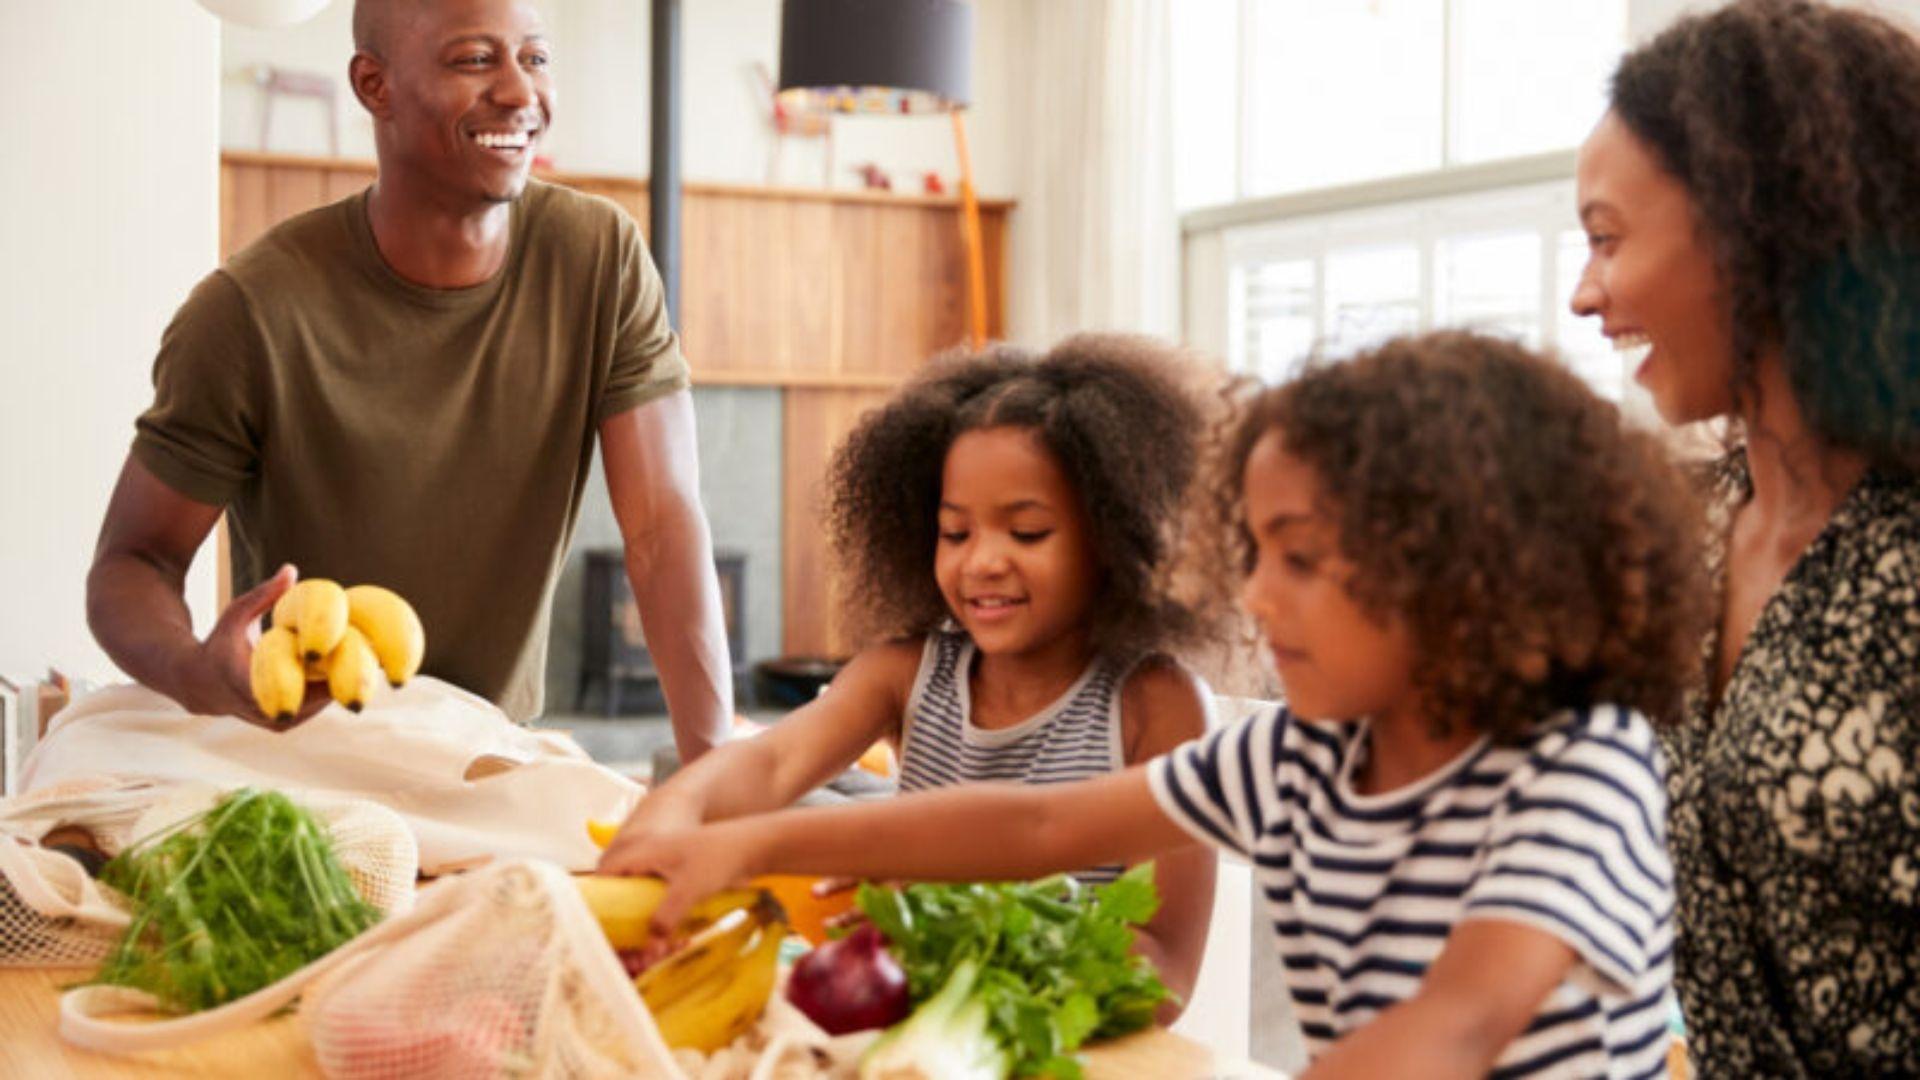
[(1795, 818)]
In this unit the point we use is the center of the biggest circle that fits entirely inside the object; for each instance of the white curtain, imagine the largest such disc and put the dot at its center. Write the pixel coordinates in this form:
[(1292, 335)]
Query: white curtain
[(1095, 241)]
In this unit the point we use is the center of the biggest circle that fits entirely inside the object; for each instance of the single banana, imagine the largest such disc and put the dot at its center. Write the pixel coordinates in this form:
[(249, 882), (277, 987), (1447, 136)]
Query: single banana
[(279, 682), (722, 945), (353, 672), (624, 906), (283, 608), (319, 616), (706, 1018), (392, 628)]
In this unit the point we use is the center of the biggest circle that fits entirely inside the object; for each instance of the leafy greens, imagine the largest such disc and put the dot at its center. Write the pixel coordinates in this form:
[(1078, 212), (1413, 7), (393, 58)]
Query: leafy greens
[(229, 901), (1054, 958)]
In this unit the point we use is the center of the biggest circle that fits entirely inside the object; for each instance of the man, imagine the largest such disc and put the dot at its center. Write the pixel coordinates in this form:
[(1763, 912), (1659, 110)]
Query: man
[(405, 388)]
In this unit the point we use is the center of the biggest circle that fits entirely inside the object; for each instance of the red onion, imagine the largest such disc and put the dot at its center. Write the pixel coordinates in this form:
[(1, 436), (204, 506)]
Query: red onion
[(850, 985)]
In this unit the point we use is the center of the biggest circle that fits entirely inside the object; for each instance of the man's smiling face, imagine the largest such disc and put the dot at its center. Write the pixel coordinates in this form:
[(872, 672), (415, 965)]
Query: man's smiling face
[(467, 94)]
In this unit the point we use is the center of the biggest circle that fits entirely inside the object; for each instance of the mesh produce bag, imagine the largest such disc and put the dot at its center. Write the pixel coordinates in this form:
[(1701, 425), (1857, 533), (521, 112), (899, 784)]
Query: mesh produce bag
[(499, 972), (54, 914)]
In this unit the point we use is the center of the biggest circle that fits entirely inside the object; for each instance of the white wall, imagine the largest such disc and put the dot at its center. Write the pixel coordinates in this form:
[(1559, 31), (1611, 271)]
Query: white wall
[(322, 45), (601, 67), (111, 191)]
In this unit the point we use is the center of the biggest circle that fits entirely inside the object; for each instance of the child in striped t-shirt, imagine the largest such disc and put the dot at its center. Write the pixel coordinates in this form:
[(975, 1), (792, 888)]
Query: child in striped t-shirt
[(1474, 581), (1007, 524)]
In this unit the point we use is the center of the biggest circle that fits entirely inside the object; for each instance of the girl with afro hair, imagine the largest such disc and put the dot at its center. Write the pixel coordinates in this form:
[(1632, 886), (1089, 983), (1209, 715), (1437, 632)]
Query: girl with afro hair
[(1008, 523)]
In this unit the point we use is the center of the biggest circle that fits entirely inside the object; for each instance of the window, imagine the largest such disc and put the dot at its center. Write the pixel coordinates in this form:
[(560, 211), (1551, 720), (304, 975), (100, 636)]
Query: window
[(1340, 90), (1489, 282), (1373, 293), (1528, 76), (1503, 262), (1279, 96)]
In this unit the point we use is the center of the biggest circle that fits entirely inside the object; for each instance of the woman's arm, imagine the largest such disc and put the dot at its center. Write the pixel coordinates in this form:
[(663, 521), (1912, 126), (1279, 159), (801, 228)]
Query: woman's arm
[(1162, 706), (801, 752), (974, 832), (1480, 994)]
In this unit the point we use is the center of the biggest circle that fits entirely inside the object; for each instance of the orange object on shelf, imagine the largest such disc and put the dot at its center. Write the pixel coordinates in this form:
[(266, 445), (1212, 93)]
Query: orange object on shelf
[(806, 913)]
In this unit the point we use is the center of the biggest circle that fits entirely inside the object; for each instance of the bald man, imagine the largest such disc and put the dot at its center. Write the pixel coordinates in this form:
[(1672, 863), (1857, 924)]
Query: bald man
[(406, 388)]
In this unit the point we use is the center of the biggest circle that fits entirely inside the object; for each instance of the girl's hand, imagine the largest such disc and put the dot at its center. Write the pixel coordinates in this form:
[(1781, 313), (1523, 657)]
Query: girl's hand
[(695, 863), (660, 810)]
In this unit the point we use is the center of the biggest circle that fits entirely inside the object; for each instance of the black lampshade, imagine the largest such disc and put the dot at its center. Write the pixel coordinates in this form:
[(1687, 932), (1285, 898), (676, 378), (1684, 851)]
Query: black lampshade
[(906, 56)]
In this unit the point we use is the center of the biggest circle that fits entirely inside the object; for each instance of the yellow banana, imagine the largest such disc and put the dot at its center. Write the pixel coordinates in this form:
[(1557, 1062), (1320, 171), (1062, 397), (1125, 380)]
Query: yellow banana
[(319, 616), (391, 627), (624, 906), (722, 1008), (283, 608), (353, 672), (279, 682), (722, 945)]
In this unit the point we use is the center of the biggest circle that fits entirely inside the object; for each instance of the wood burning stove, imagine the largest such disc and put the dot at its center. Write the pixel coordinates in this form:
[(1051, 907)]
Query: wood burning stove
[(613, 653)]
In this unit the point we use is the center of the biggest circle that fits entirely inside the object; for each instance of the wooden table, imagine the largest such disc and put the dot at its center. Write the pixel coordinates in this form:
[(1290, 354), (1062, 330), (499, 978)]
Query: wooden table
[(30, 1046)]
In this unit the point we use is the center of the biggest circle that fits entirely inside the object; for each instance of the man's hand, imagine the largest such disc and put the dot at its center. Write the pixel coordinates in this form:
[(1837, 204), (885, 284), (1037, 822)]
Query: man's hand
[(214, 679), (136, 603)]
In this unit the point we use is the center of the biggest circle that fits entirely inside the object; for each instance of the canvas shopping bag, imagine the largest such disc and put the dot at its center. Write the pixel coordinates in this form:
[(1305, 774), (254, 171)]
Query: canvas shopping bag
[(470, 783)]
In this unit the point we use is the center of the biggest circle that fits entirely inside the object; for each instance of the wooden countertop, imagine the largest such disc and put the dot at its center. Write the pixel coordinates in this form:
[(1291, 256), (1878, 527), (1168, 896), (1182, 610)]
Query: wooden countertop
[(30, 1045)]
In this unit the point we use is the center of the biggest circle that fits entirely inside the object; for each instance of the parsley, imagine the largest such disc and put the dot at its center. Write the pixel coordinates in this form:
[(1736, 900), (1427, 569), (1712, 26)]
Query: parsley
[(229, 901)]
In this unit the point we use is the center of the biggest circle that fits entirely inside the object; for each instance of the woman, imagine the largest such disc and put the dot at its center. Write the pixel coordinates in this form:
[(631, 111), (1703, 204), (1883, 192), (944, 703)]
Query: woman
[(1752, 202)]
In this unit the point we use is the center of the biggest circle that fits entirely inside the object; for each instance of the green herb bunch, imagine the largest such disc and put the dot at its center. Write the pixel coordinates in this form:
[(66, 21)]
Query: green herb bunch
[(1055, 959), (229, 901)]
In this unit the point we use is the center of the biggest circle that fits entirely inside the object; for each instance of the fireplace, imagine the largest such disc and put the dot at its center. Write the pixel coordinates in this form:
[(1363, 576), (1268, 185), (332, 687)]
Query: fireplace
[(614, 656)]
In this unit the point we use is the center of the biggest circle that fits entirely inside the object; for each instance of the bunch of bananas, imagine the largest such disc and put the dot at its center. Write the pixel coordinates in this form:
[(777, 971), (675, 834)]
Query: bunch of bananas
[(344, 637), (710, 990)]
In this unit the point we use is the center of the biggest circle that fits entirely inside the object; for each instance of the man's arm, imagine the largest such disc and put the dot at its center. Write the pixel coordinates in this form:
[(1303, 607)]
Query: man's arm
[(653, 479), (137, 609)]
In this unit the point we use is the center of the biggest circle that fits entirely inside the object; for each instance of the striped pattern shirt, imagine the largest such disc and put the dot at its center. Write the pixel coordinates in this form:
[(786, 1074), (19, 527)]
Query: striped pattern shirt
[(1074, 738), (1564, 832)]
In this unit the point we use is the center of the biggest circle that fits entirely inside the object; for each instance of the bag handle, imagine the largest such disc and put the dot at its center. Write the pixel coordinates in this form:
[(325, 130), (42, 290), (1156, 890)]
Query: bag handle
[(85, 1012)]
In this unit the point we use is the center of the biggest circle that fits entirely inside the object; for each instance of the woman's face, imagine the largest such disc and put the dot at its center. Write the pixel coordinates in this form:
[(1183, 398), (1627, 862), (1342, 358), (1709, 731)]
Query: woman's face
[(1650, 276)]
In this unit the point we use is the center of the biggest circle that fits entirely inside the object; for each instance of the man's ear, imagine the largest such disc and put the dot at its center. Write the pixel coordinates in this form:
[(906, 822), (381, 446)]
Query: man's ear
[(367, 74)]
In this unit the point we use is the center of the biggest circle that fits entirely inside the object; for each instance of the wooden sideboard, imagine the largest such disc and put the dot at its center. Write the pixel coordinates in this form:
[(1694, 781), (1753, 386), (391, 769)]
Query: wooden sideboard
[(832, 297)]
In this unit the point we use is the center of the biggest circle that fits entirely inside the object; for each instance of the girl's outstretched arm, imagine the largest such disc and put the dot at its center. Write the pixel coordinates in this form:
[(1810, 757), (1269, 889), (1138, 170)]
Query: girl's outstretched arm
[(807, 748), (975, 832)]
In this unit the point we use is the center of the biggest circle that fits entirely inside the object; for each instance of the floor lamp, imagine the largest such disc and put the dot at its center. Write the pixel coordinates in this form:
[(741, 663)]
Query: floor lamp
[(891, 57)]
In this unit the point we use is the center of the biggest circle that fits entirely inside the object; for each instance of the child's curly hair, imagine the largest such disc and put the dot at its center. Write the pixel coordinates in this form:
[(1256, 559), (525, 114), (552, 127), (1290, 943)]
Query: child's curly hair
[(1542, 554), (1113, 412), (1795, 127)]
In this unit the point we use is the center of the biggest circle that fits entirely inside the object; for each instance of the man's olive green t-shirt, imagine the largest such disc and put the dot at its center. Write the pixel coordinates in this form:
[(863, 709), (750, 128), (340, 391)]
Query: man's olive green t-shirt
[(435, 441)]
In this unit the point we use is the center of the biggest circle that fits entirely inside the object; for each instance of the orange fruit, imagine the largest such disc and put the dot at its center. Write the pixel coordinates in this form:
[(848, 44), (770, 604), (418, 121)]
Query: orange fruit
[(806, 913)]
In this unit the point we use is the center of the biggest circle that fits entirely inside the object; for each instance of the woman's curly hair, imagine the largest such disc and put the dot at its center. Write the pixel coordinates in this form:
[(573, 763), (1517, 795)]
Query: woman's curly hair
[(1541, 554), (1114, 413), (1795, 127)]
